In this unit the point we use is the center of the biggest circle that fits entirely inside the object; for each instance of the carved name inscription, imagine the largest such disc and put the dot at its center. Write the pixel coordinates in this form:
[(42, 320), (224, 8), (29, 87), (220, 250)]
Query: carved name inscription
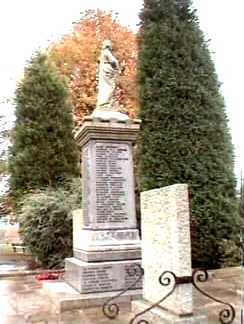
[(116, 235), (108, 185), (107, 278), (113, 162)]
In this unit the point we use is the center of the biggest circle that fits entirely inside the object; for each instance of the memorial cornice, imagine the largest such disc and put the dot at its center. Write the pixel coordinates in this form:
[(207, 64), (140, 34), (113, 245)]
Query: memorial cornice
[(107, 129)]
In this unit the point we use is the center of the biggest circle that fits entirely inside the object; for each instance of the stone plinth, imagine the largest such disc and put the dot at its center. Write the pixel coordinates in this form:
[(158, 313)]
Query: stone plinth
[(166, 246), (94, 277), (105, 238)]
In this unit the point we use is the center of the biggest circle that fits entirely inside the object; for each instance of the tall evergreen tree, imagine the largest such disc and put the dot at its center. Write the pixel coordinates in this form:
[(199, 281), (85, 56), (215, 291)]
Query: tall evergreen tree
[(185, 137), (44, 151), (242, 198)]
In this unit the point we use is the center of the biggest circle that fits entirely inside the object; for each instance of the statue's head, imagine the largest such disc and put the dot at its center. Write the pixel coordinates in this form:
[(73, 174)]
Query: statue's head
[(107, 44)]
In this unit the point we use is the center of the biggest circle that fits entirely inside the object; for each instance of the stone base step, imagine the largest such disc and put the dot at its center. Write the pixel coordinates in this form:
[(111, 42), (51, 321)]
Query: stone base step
[(66, 298), (158, 315)]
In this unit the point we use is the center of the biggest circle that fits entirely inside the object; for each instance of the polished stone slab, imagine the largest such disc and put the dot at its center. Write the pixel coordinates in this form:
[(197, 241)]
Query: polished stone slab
[(108, 185)]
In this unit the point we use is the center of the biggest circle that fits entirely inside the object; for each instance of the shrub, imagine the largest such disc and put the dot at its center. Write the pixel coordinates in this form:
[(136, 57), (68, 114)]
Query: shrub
[(46, 224)]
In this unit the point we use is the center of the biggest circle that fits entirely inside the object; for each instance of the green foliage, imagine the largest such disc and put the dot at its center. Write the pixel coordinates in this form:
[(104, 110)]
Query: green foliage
[(5, 126), (44, 152), (185, 138), (3, 167), (230, 255), (46, 223), (242, 199)]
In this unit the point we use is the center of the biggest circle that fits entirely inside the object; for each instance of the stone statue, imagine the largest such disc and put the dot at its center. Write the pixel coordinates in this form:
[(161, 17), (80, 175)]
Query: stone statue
[(109, 70)]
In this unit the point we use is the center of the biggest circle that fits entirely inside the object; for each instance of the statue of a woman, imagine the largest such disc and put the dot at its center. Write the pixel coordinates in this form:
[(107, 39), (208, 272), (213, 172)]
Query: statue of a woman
[(109, 71)]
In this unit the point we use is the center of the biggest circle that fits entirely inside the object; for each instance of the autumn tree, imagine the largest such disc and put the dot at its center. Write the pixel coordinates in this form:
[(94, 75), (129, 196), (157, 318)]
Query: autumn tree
[(77, 55), (185, 136)]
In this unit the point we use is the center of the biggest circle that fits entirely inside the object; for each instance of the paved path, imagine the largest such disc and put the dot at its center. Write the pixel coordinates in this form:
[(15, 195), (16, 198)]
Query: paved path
[(22, 300)]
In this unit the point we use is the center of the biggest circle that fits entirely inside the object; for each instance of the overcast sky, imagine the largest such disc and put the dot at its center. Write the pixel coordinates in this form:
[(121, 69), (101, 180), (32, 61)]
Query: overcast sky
[(26, 25)]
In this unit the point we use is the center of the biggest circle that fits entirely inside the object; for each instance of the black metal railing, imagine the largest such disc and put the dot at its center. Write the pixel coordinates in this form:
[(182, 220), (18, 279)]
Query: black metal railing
[(168, 278), (165, 279), (227, 314), (110, 308)]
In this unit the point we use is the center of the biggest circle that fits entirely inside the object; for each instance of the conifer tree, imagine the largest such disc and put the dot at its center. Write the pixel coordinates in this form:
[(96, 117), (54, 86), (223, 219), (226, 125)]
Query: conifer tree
[(242, 198), (44, 152), (185, 137)]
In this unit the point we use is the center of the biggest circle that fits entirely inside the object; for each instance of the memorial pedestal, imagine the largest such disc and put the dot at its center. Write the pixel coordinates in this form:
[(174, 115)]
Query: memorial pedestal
[(106, 241)]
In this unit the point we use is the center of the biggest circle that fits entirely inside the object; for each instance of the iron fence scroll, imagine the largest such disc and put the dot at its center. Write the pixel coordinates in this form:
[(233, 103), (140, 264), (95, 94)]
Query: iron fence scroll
[(227, 314), (110, 308), (167, 279)]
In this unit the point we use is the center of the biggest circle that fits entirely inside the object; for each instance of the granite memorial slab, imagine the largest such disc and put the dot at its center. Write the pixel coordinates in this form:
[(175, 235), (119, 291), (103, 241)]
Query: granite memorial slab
[(166, 246)]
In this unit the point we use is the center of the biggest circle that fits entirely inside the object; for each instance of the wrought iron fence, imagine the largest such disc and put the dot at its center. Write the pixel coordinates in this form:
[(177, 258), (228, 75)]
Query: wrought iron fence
[(168, 278), (111, 309)]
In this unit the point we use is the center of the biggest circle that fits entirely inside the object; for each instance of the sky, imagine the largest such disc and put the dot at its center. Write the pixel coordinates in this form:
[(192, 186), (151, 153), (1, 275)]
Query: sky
[(28, 25)]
